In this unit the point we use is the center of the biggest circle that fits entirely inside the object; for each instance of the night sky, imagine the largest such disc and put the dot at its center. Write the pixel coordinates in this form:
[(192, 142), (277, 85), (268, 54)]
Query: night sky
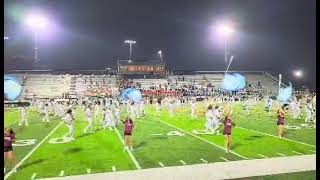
[(278, 36)]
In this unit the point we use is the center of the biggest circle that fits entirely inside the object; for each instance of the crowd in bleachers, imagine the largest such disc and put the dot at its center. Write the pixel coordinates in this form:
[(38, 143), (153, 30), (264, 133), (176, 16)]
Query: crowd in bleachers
[(73, 86)]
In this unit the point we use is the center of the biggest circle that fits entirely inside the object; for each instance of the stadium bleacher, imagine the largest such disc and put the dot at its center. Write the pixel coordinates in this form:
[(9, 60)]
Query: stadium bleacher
[(47, 85)]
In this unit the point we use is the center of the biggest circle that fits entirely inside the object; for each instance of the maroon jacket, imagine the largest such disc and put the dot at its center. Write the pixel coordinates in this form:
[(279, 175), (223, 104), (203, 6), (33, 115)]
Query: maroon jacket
[(228, 124), (9, 139)]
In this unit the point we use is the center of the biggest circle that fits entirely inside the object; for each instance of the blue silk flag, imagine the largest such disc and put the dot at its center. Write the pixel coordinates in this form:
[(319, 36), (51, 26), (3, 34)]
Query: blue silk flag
[(12, 88), (285, 94), (131, 94), (233, 82)]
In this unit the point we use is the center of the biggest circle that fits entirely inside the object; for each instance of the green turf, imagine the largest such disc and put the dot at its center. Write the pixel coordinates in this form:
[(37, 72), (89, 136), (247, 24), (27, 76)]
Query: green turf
[(36, 129), (103, 149), (308, 175), (11, 117), (152, 148), (98, 152), (243, 140)]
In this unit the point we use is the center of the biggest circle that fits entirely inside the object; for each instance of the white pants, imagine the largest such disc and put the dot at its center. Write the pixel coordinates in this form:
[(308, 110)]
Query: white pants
[(215, 124), (209, 125), (46, 118), (296, 113), (309, 116), (23, 120), (71, 130), (193, 112), (108, 123), (89, 126), (117, 116)]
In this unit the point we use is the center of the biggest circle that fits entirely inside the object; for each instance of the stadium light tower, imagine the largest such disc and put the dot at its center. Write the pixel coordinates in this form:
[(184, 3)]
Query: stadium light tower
[(6, 38), (36, 23), (225, 30), (160, 54), (297, 73), (130, 42)]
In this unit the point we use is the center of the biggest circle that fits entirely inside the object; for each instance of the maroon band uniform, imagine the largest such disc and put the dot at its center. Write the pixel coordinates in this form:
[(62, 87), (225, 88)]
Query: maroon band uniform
[(227, 126), (280, 116), (8, 139)]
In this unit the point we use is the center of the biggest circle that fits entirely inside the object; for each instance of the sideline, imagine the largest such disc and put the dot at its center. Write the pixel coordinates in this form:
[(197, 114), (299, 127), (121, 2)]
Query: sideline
[(222, 170)]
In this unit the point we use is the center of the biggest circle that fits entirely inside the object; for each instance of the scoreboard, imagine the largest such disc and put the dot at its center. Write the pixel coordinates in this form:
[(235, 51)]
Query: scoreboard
[(141, 68)]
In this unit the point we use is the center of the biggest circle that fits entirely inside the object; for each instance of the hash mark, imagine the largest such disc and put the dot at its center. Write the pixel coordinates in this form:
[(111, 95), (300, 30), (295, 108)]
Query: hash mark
[(157, 134), (204, 161), (88, 171), (160, 163), (224, 159), (262, 155), (281, 154), (183, 162), (33, 175), (297, 152)]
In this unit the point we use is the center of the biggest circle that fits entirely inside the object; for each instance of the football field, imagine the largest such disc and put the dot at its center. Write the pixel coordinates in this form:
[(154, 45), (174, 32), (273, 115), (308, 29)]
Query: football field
[(158, 141)]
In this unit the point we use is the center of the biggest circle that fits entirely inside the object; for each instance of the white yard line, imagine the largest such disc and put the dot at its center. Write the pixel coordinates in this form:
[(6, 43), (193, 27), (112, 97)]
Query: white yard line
[(281, 154), (30, 153), (160, 163), (224, 159), (61, 173), (204, 160), (297, 152), (128, 150), (114, 168), (157, 134), (276, 136), (33, 175), (182, 162), (202, 139), (262, 155), (88, 171)]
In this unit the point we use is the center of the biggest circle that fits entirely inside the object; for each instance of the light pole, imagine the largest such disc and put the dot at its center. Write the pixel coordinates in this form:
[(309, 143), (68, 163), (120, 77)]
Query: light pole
[(130, 42), (280, 78), (36, 22), (225, 30), (160, 54)]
